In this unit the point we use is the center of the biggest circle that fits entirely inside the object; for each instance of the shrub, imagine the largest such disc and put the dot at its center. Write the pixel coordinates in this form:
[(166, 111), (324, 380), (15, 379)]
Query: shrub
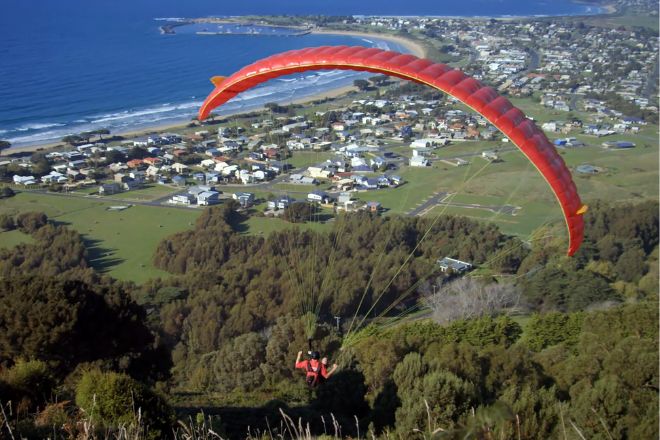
[(111, 399)]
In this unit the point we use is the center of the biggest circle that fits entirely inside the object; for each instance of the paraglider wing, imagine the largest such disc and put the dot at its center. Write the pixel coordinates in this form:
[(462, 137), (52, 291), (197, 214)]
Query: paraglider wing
[(484, 100)]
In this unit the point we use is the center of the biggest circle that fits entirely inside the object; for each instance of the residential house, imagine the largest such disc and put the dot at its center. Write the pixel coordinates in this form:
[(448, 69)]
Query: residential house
[(448, 264), (179, 167), (179, 180), (54, 177), (280, 202), (246, 199), (109, 188), (207, 198), (131, 184), (319, 197), (319, 173)]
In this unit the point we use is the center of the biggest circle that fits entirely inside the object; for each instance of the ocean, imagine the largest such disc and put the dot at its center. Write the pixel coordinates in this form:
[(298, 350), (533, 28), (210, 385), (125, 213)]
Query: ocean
[(72, 65)]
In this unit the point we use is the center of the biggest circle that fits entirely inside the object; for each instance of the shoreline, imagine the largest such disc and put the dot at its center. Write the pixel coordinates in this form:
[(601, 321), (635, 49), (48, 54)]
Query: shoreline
[(414, 47), (179, 125)]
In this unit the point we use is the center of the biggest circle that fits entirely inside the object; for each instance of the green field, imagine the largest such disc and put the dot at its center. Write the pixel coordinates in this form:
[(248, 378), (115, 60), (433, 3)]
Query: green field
[(9, 239), (120, 243), (300, 159), (629, 175), (148, 193)]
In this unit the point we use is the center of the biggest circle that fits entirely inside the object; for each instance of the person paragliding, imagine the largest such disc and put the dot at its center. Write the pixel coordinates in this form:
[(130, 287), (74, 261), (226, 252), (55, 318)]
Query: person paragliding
[(316, 369)]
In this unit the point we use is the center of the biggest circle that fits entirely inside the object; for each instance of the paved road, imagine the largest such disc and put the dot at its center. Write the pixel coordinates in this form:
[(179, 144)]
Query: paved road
[(157, 202), (534, 60), (439, 199), (430, 202), (651, 83)]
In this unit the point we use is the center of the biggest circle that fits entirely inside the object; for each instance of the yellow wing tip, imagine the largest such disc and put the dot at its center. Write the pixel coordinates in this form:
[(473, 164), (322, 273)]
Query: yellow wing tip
[(217, 80), (583, 209)]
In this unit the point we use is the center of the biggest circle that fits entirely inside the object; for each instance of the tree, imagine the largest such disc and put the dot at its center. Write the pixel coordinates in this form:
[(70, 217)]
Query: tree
[(57, 321), (4, 145), (361, 84), (553, 328), (100, 132), (114, 156), (300, 212), (29, 222), (72, 139)]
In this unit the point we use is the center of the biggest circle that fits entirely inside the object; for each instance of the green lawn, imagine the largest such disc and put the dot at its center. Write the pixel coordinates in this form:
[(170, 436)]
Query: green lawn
[(420, 184), (9, 239), (148, 192), (629, 175), (301, 159), (120, 243)]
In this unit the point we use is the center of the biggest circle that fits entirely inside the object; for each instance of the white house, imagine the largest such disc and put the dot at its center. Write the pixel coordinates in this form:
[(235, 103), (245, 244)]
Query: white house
[(179, 167), (183, 199), (418, 161), (452, 265), (318, 197), (24, 180)]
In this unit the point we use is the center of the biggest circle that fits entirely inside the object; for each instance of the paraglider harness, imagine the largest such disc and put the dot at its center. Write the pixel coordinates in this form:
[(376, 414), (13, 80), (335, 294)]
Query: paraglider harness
[(313, 373)]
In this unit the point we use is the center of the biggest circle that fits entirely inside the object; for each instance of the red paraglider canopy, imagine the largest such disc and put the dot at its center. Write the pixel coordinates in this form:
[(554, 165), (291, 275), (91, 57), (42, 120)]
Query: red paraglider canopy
[(484, 100)]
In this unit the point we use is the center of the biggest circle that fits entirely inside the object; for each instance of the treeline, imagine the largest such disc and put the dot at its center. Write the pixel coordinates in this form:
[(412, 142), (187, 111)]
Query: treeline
[(618, 261), (61, 322), (599, 374), (226, 327), (56, 248)]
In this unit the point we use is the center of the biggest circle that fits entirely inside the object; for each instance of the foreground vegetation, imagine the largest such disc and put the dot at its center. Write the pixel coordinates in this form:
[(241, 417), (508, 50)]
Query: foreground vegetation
[(83, 354)]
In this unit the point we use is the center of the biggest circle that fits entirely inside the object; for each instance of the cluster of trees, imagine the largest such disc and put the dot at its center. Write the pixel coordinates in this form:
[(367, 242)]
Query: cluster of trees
[(617, 261), (85, 136), (578, 372), (55, 250), (230, 321)]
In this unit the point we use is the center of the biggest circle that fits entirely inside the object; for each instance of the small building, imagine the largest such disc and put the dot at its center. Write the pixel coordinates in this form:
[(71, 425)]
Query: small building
[(246, 199), (396, 180), (418, 161), (109, 188), (207, 198), (319, 197), (179, 180), (448, 264), (183, 199), (490, 155), (618, 144), (280, 202)]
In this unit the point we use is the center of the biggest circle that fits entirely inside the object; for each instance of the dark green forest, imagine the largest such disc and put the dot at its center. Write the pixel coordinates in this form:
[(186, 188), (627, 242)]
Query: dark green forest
[(569, 351)]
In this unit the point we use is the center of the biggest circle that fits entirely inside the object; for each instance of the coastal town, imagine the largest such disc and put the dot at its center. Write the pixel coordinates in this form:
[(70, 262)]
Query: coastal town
[(343, 153), (373, 222)]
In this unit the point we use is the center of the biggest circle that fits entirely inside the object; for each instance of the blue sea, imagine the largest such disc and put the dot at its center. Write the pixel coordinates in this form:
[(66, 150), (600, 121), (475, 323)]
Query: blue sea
[(68, 66)]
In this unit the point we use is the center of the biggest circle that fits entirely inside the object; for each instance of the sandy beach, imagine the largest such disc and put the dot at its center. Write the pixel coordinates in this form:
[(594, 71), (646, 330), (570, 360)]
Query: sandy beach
[(414, 47), (176, 126)]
